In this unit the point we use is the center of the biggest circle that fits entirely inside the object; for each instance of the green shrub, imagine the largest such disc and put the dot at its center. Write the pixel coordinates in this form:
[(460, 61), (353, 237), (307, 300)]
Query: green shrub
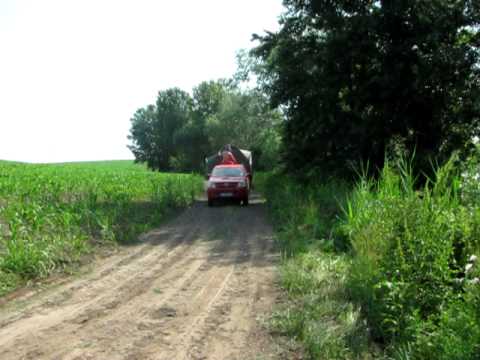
[(317, 312), (410, 250), (304, 214)]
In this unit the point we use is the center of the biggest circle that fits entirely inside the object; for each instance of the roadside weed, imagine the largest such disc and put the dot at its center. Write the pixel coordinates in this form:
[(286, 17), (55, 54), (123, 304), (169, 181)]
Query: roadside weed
[(410, 271), (317, 311)]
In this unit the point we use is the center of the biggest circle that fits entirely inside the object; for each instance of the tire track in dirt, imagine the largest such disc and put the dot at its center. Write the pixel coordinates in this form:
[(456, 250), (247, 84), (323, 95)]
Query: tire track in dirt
[(109, 272), (192, 290), (122, 284), (196, 303)]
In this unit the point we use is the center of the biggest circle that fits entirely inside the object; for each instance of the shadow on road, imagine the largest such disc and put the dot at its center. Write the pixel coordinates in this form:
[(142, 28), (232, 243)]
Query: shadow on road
[(233, 233)]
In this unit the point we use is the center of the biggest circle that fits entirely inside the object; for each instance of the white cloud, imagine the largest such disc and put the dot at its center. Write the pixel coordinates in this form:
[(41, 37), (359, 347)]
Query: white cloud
[(72, 72)]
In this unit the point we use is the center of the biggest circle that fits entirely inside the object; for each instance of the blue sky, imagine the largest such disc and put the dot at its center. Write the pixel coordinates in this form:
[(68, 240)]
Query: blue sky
[(72, 72)]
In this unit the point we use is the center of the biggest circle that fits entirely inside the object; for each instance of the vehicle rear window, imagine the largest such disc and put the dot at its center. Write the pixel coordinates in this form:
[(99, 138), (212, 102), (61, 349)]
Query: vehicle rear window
[(227, 172)]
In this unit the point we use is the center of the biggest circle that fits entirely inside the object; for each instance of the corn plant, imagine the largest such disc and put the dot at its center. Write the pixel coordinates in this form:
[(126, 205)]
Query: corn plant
[(51, 215)]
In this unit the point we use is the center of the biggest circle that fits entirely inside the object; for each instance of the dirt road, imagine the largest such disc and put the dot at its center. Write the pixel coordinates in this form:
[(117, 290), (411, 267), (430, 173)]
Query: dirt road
[(193, 289)]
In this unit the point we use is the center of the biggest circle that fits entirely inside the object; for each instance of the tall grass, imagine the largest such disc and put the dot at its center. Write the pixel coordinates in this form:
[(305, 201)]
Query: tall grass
[(387, 260), (51, 215), (414, 268), (317, 312)]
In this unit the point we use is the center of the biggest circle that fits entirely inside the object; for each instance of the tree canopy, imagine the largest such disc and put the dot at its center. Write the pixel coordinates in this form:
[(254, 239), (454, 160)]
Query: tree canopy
[(357, 78), (154, 127), (180, 130)]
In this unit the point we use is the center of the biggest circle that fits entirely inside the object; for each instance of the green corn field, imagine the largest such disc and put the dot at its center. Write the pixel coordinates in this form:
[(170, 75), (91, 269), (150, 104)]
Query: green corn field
[(52, 215)]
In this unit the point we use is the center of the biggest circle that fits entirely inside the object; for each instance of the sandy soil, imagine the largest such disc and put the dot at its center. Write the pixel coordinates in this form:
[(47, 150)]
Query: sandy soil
[(192, 289)]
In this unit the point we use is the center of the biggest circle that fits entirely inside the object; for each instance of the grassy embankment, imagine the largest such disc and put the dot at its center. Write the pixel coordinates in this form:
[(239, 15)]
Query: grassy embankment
[(381, 269), (52, 215), (317, 312)]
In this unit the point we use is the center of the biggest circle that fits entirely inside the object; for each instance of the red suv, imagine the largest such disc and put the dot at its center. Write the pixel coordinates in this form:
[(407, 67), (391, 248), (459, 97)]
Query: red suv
[(228, 182)]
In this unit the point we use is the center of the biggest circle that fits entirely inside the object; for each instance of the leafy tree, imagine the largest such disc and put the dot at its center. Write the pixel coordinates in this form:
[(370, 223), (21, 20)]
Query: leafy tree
[(358, 77), (246, 120), (179, 131), (141, 134), (154, 129), (208, 98)]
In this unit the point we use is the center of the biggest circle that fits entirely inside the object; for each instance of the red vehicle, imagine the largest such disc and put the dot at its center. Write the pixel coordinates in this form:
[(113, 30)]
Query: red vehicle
[(230, 154), (228, 181)]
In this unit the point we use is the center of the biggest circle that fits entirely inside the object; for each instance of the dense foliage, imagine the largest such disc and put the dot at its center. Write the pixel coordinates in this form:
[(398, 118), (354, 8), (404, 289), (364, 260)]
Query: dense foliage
[(364, 83), (180, 130), (51, 215), (410, 279), (152, 123), (318, 312), (360, 78), (415, 269)]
